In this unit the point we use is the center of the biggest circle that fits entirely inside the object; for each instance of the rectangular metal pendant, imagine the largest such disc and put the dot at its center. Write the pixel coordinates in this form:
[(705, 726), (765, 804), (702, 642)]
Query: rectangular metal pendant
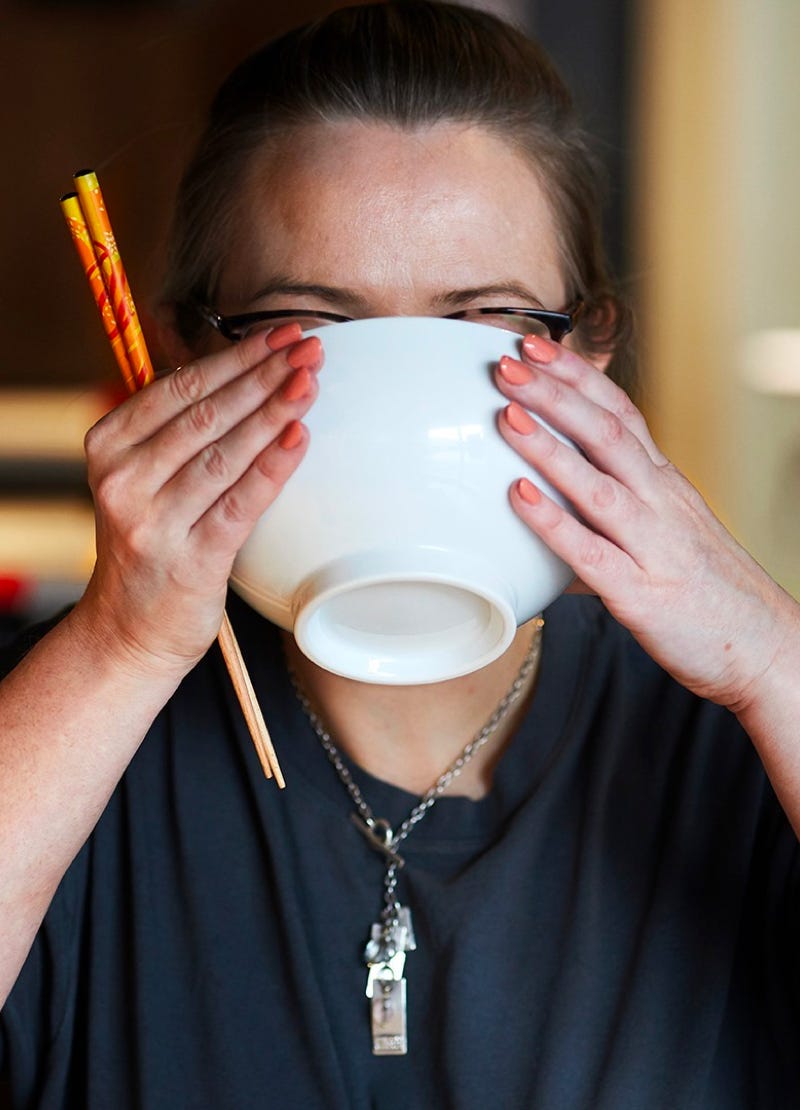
[(388, 1012)]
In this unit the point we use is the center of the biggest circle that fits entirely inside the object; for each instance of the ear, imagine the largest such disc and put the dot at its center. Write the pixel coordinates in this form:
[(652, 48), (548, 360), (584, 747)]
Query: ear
[(598, 328)]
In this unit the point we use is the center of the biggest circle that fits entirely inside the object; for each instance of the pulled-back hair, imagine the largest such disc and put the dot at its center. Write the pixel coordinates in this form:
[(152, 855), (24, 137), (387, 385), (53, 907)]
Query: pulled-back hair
[(408, 63)]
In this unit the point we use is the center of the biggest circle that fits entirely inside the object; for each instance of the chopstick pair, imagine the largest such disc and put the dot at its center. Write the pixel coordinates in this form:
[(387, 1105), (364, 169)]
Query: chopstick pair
[(90, 228)]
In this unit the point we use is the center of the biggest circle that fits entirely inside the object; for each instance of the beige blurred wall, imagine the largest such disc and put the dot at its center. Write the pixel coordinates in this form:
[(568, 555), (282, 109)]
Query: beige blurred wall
[(717, 228), (766, 501)]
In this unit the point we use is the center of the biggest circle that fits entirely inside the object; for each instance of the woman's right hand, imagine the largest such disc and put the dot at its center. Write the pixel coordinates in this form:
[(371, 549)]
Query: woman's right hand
[(180, 473)]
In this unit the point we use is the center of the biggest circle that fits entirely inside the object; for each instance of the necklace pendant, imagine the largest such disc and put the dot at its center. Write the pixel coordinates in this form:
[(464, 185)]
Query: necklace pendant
[(404, 922), (388, 1017), (385, 955), (388, 941), (381, 972)]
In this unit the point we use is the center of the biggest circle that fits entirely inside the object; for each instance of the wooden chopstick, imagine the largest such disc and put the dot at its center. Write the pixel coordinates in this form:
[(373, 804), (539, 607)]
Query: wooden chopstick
[(237, 670), (90, 228)]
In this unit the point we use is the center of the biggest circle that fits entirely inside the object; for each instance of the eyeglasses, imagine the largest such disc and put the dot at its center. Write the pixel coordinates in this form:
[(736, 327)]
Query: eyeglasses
[(523, 321)]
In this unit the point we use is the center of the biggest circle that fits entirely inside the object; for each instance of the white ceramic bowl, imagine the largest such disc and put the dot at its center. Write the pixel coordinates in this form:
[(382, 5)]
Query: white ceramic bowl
[(393, 553)]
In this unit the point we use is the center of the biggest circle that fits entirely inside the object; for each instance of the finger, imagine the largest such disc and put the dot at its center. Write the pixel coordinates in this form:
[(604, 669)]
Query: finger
[(142, 415), (602, 435), (606, 504), (599, 564), (567, 366), (219, 466), (210, 418), (197, 431), (231, 518)]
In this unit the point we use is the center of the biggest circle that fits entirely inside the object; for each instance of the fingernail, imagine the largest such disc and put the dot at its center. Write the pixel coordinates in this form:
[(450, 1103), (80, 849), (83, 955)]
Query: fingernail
[(297, 385), (291, 436), (539, 349), (283, 336), (306, 353), (519, 419), (528, 492), (514, 372)]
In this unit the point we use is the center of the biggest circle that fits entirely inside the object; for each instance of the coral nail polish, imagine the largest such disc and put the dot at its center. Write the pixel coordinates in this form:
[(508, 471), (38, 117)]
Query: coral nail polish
[(306, 353), (514, 372), (283, 336), (539, 349), (519, 419), (528, 492), (291, 436), (297, 385)]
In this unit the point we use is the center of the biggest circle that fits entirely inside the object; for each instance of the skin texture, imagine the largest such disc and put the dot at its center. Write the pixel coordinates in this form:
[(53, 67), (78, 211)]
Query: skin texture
[(365, 220)]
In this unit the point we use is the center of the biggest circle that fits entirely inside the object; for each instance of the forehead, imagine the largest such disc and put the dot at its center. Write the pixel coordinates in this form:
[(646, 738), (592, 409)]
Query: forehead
[(404, 212)]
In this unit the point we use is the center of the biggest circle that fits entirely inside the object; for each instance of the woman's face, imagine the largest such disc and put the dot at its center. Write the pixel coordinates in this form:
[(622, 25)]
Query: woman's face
[(370, 220)]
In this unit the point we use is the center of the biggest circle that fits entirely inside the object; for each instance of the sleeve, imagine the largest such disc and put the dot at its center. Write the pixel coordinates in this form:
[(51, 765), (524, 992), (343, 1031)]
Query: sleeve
[(13, 651), (775, 932), (37, 1018), (36, 1009)]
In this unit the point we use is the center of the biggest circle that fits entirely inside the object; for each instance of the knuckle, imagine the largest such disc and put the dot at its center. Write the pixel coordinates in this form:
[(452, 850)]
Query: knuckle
[(245, 354), (265, 420), (592, 552), (576, 373), (549, 448), (556, 390), (231, 508), (92, 441), (108, 491), (552, 517), (632, 418), (138, 539), (265, 467), (95, 439), (611, 429), (188, 383), (604, 494), (264, 376), (203, 415), (693, 498), (627, 411), (214, 462)]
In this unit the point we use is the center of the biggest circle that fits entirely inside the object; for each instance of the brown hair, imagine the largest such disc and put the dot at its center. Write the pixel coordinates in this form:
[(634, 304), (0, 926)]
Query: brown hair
[(408, 63)]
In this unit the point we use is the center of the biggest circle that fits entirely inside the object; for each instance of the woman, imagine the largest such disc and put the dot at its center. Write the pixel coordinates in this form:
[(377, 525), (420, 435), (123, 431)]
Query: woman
[(604, 900)]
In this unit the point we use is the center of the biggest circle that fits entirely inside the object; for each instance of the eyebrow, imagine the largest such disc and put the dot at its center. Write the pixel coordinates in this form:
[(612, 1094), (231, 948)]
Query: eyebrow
[(513, 289), (343, 296), (330, 294)]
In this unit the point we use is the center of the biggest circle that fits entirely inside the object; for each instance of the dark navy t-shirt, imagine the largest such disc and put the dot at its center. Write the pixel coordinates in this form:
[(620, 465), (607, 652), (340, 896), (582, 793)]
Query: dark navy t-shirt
[(614, 927)]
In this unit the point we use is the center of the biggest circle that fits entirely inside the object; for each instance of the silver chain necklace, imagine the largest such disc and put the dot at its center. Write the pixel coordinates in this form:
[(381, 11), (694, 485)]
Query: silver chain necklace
[(392, 936)]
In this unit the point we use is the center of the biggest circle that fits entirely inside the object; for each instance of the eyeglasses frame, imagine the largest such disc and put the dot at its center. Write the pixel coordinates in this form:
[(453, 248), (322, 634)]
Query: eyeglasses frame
[(559, 324)]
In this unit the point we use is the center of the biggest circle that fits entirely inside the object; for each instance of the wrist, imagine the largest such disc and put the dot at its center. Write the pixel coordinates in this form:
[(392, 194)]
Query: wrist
[(100, 638), (770, 702)]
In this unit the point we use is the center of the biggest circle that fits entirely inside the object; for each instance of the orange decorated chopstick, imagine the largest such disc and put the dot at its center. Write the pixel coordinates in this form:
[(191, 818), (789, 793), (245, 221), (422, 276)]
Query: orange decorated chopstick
[(79, 230), (90, 229), (114, 278)]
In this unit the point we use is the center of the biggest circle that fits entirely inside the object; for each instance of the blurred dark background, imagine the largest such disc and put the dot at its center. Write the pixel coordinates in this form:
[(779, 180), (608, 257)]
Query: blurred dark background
[(121, 88)]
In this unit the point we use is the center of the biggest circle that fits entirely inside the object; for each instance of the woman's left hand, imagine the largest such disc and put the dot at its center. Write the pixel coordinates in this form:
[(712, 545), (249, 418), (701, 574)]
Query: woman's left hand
[(646, 542)]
